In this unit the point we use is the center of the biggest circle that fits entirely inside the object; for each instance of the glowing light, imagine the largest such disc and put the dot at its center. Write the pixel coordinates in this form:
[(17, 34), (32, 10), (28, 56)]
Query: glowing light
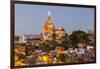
[(49, 13), (45, 58)]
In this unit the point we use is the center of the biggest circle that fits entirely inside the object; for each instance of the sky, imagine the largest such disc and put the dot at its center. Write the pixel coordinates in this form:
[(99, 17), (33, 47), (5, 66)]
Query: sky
[(30, 18)]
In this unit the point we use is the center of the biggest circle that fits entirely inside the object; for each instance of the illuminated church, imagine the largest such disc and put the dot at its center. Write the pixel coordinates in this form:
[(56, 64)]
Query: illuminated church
[(49, 29)]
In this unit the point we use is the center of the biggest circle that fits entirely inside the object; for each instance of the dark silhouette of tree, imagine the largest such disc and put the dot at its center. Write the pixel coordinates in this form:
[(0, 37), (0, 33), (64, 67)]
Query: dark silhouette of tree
[(66, 43), (79, 37), (53, 41), (45, 46)]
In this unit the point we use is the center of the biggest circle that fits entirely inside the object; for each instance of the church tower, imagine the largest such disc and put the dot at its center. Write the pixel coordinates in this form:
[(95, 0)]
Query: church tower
[(48, 27)]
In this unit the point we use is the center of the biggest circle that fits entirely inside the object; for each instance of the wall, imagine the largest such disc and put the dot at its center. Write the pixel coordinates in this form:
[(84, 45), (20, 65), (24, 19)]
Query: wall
[(5, 34)]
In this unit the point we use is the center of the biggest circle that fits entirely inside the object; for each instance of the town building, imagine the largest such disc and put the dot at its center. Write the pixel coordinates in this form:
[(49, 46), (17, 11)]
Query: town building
[(49, 29)]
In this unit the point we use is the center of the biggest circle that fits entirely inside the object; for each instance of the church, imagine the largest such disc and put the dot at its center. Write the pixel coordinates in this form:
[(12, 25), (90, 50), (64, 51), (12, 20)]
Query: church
[(49, 29)]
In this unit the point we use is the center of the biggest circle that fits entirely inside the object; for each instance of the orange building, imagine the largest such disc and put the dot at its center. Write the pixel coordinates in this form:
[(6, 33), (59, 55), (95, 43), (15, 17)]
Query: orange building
[(50, 29)]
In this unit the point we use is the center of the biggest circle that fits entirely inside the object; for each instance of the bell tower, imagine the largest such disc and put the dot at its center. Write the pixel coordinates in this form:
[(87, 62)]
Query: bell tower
[(48, 26)]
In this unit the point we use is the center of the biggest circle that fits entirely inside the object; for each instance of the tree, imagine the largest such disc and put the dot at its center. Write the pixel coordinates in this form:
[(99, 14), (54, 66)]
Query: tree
[(45, 46), (53, 41), (79, 37), (65, 42)]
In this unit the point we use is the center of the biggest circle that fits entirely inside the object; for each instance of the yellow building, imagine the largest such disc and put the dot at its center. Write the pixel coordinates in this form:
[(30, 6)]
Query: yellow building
[(49, 29), (59, 32), (48, 26)]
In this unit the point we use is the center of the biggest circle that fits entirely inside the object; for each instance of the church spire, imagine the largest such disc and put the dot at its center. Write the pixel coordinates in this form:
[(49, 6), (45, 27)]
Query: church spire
[(48, 26), (49, 13), (49, 16)]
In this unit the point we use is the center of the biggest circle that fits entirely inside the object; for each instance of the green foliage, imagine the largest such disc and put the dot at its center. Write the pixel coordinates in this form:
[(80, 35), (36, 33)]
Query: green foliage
[(66, 42), (79, 37), (45, 46)]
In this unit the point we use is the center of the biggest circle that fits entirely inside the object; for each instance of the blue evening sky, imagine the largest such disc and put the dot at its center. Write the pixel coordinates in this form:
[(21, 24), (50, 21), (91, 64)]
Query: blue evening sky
[(31, 18)]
